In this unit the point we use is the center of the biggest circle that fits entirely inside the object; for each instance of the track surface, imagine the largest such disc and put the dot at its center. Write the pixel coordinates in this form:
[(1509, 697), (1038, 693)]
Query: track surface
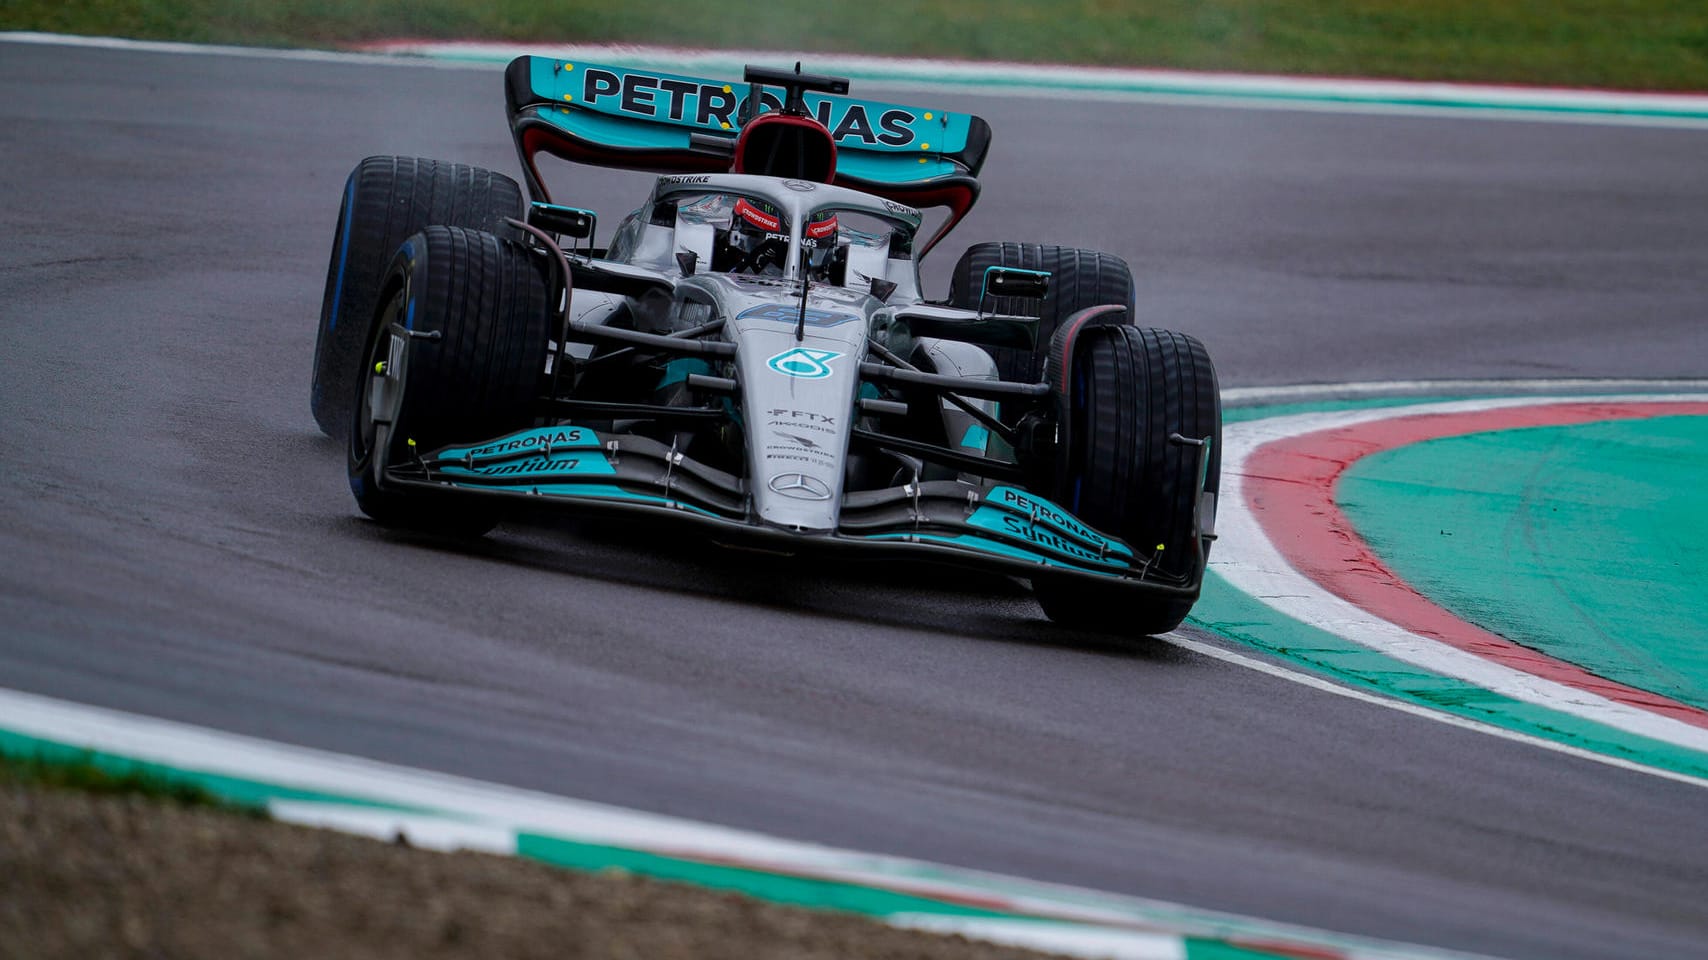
[(178, 540)]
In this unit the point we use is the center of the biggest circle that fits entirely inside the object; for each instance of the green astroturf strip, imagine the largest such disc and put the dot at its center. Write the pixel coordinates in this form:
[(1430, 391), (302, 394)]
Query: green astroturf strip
[(1197, 949), (163, 780), (1231, 614), (777, 888), (1587, 542), (1247, 413), (805, 891)]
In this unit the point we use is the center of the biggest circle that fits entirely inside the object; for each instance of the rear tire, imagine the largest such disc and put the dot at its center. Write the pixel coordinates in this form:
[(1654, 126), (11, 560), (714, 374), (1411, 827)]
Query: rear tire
[(387, 199), (1122, 391), (1078, 279), (490, 301)]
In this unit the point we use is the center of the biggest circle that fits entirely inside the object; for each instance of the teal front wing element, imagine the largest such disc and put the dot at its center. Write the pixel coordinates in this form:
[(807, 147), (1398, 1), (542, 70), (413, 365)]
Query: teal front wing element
[(606, 491), (576, 463), (986, 545), (577, 491), (1046, 525), (567, 462), (523, 443)]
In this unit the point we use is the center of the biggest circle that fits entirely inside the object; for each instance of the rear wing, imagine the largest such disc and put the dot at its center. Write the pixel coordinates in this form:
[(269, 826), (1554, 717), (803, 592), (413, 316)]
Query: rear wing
[(664, 123)]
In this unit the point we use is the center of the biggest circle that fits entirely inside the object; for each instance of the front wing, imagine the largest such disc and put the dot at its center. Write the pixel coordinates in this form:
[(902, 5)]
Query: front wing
[(1000, 528)]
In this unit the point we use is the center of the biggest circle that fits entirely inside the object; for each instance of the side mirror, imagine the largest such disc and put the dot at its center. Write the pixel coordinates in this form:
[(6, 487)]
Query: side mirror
[(563, 221), (686, 261), (1014, 282)]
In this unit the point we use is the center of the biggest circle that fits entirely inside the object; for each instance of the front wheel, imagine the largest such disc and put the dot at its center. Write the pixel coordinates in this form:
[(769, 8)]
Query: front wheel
[(1140, 414), (487, 299), (386, 200)]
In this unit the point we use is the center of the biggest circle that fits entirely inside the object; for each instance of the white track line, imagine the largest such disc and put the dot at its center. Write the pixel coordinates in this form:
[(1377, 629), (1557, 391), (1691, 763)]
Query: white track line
[(1364, 390), (1451, 719)]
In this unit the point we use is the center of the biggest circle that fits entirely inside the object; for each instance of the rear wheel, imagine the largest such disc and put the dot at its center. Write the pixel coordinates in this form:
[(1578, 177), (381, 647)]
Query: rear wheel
[(1079, 279), (386, 199), (488, 299), (1123, 393)]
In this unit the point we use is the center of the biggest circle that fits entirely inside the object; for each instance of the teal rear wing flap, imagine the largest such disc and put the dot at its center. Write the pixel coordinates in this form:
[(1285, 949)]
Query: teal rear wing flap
[(664, 123)]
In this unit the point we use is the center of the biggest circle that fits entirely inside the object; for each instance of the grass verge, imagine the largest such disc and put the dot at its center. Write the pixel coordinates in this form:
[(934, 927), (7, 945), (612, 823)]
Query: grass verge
[(1634, 44), (83, 773), (93, 864)]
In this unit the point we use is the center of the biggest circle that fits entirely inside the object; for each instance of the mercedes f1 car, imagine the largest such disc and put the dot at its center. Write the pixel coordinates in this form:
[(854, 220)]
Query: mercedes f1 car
[(752, 353)]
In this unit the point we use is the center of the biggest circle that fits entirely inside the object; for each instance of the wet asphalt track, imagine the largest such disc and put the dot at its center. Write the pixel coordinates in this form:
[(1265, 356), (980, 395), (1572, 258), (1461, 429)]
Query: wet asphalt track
[(177, 539)]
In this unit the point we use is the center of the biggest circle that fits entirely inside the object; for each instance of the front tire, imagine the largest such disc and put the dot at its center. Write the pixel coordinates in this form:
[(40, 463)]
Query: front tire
[(489, 301), (1122, 393), (387, 199)]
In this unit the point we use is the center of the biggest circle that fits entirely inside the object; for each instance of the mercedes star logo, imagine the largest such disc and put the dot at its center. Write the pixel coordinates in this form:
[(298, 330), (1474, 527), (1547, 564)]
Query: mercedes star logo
[(800, 486)]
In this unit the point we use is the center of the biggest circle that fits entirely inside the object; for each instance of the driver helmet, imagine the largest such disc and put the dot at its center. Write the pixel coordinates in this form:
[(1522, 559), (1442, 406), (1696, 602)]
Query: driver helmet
[(756, 237), (818, 244)]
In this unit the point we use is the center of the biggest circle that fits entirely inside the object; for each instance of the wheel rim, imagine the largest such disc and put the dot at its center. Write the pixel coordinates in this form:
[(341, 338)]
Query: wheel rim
[(365, 430)]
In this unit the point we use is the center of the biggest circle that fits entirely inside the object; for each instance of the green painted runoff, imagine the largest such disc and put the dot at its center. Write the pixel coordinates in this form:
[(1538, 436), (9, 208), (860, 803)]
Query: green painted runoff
[(1587, 542), (1227, 612)]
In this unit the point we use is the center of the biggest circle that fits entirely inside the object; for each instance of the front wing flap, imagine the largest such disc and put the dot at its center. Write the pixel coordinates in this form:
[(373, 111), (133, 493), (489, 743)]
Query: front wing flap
[(1001, 528)]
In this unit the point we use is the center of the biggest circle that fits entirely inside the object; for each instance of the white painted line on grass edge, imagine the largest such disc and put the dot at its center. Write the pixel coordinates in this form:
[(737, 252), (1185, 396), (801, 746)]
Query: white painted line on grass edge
[(449, 812), (1078, 941), (1060, 82), (1175, 87)]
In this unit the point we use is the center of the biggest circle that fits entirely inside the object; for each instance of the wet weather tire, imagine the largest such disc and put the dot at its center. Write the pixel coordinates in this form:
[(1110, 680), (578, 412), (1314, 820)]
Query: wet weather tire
[(489, 301), (1078, 279), (1122, 393), (387, 199)]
